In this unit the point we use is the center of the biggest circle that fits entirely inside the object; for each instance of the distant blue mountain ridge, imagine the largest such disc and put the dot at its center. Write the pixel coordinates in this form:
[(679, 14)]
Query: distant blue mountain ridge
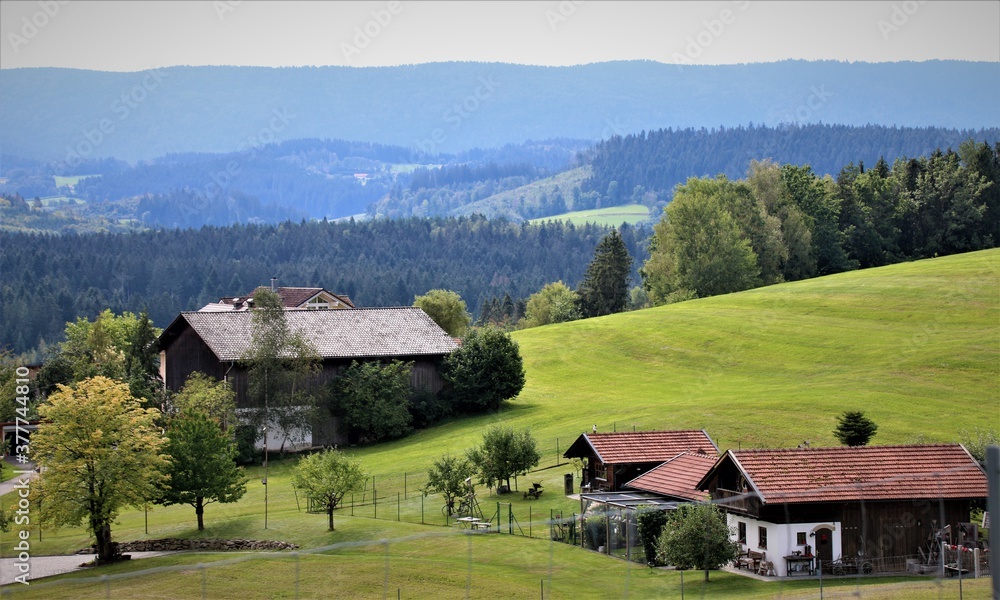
[(70, 115)]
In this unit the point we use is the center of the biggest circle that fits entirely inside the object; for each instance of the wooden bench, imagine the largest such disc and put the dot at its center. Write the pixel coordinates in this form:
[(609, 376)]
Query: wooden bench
[(751, 560)]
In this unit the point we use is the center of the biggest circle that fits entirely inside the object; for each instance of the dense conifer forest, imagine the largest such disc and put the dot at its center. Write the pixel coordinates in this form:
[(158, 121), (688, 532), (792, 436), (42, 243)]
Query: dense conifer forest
[(52, 279)]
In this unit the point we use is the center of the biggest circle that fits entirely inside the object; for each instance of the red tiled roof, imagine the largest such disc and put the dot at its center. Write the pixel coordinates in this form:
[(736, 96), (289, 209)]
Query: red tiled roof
[(678, 477), (844, 473), (642, 446)]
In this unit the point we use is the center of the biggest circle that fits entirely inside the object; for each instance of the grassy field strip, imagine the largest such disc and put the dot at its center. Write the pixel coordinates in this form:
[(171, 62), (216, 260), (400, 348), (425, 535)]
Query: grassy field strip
[(612, 216)]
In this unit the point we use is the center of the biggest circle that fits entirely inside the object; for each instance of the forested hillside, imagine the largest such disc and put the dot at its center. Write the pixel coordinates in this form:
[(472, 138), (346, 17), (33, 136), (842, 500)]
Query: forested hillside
[(57, 114), (50, 279), (624, 168), (316, 179)]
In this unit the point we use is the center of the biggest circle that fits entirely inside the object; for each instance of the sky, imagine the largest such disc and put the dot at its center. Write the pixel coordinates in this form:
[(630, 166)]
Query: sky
[(133, 36)]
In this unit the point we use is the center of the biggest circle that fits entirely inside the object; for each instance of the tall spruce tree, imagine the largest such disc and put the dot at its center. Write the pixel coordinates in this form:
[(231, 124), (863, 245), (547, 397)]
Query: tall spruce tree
[(604, 289)]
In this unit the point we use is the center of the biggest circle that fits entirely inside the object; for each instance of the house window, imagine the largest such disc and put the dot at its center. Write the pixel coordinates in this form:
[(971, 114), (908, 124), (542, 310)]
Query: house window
[(318, 303), (741, 530), (762, 537), (800, 538), (601, 472)]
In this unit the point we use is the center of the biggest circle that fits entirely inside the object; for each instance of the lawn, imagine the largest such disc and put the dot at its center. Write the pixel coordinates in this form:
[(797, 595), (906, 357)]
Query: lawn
[(916, 346)]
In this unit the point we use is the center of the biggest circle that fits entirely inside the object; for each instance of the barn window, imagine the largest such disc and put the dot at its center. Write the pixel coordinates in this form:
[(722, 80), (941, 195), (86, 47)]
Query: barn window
[(762, 537)]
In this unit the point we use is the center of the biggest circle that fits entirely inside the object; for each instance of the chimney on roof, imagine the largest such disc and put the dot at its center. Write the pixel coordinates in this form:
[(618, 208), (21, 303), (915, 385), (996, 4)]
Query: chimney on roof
[(274, 284)]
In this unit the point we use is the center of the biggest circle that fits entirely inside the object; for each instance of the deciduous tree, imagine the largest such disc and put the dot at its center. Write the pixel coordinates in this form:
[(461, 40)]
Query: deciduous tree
[(504, 453), (696, 536), (325, 477), (448, 477), (554, 303), (372, 400), (447, 309), (485, 371), (698, 248), (281, 364), (202, 393), (202, 467), (99, 451)]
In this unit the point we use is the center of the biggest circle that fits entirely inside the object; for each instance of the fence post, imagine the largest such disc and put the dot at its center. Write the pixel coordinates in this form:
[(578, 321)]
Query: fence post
[(374, 498), (421, 509), (352, 504), (404, 485), (529, 520), (397, 506)]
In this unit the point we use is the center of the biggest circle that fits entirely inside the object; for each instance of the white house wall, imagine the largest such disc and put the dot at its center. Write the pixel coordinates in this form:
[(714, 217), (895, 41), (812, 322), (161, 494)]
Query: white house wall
[(278, 439), (781, 538)]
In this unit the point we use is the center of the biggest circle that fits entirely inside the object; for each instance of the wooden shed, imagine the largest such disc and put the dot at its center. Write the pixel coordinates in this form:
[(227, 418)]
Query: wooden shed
[(616, 458)]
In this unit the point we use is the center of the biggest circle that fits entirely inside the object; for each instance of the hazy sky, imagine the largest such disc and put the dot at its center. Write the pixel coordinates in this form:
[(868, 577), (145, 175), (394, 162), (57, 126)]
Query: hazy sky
[(127, 36)]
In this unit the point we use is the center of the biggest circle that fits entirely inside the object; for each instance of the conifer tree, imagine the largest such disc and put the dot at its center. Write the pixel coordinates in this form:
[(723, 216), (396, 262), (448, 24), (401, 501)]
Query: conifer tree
[(604, 290)]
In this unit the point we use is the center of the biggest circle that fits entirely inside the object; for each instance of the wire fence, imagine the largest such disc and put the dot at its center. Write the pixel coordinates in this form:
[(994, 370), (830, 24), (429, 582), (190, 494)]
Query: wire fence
[(503, 545)]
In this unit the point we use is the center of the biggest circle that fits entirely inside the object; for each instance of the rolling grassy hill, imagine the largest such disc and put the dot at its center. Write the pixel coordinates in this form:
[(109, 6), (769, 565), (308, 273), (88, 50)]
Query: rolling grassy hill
[(915, 345)]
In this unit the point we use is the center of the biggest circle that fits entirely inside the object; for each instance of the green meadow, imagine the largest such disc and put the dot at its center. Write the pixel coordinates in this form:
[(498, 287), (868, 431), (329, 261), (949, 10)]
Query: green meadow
[(916, 346), (612, 216)]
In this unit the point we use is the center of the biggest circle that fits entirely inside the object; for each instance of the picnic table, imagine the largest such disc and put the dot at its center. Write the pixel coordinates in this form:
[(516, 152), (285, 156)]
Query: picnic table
[(534, 492)]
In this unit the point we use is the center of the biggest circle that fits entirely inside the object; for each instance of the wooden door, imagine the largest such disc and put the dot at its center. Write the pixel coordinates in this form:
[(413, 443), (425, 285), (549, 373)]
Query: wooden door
[(824, 547)]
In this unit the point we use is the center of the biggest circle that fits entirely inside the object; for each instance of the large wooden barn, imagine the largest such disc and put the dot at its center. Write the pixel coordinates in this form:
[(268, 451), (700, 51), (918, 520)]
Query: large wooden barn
[(878, 502), (214, 343)]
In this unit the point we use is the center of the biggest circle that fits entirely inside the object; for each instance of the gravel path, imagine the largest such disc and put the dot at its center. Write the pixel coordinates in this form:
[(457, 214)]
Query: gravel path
[(47, 566)]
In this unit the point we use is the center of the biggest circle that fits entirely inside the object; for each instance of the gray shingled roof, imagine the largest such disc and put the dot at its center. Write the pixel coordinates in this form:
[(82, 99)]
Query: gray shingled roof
[(358, 333)]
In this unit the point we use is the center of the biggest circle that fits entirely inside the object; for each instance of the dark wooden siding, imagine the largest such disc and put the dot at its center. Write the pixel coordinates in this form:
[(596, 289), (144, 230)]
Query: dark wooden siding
[(187, 354), (879, 530), (892, 529)]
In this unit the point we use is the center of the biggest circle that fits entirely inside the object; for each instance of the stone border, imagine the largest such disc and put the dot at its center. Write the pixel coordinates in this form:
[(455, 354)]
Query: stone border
[(218, 545)]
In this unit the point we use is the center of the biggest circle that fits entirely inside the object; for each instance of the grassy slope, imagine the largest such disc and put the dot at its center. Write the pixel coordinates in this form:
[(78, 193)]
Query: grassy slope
[(507, 202), (612, 215), (917, 346)]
